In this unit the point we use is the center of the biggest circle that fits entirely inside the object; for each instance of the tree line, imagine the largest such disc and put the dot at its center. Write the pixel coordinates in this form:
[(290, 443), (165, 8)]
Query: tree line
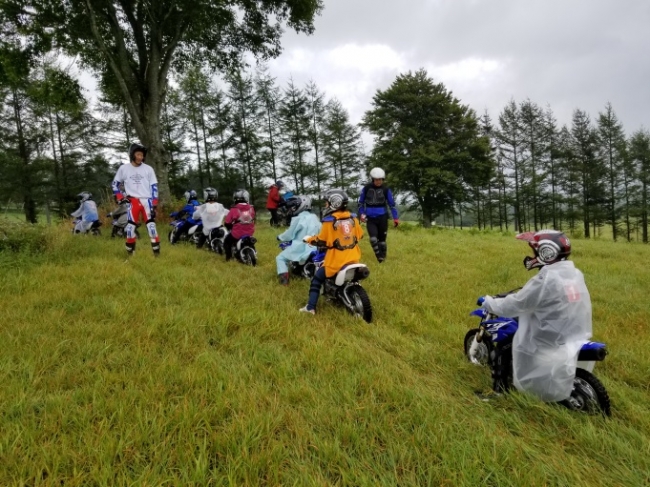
[(579, 177), (241, 130)]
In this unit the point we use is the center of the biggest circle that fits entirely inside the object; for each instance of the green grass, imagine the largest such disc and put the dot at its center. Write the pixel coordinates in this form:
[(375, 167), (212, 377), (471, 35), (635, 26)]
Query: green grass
[(186, 370)]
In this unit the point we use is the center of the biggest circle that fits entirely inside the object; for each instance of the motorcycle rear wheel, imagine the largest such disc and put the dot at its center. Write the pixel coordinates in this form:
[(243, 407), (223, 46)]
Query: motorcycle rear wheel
[(361, 306), (248, 256), (589, 394), (485, 347)]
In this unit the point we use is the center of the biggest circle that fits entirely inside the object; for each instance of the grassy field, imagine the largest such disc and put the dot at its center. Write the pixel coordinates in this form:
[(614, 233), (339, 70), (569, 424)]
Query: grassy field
[(186, 370)]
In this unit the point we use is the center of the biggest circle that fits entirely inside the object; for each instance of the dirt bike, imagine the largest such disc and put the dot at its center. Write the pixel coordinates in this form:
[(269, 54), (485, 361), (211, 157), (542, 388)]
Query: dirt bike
[(308, 269), (216, 239), (588, 392), (183, 230), (94, 229), (244, 250)]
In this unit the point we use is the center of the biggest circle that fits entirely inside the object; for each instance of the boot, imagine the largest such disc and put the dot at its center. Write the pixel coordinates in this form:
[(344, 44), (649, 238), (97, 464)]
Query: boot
[(155, 246), (130, 248), (283, 279)]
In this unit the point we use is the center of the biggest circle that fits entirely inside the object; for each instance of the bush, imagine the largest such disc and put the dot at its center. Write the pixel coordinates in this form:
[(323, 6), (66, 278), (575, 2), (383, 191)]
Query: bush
[(16, 236)]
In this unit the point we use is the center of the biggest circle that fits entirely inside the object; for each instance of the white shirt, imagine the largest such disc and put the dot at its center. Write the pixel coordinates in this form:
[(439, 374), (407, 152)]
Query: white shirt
[(137, 180), (211, 214)]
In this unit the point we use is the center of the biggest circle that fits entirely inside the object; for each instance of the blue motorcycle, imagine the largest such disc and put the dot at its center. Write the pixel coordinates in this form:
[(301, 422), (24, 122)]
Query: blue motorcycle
[(184, 229), (491, 344)]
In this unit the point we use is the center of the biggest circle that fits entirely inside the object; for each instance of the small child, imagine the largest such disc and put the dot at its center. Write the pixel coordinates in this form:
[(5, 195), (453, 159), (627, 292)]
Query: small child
[(87, 212), (340, 234), (240, 221), (554, 311), (211, 214), (303, 223)]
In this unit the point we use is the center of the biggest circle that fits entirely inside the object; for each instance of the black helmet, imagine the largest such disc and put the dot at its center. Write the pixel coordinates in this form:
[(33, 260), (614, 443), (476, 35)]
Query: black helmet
[(210, 194), (137, 148), (190, 195), (550, 246), (240, 196), (84, 196), (337, 200), (298, 204), (279, 183)]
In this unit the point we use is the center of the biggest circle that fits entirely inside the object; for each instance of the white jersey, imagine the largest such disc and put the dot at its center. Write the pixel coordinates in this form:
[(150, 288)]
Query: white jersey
[(139, 182), (87, 211), (211, 214)]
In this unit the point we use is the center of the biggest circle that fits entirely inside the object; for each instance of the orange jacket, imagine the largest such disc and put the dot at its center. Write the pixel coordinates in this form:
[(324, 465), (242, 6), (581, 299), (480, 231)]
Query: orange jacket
[(340, 233)]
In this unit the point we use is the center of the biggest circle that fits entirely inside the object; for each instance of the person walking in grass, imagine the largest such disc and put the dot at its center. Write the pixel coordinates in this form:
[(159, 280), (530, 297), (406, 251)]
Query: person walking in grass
[(372, 210), (340, 234), (141, 189), (274, 201)]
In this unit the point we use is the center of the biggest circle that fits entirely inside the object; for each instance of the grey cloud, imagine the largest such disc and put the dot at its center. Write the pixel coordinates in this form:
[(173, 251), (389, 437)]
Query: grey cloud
[(569, 54)]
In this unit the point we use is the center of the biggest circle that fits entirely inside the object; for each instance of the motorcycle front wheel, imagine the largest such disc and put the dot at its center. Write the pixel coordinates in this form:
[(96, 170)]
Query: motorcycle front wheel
[(360, 303), (482, 355), (589, 394)]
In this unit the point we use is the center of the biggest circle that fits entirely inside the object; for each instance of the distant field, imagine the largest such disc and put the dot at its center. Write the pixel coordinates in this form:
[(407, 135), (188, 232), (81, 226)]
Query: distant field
[(186, 370)]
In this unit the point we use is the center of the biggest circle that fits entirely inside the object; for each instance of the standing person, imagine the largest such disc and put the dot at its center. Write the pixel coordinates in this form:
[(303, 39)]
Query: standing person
[(211, 214), (274, 201), (141, 188), (303, 223), (340, 234), (87, 212), (240, 221), (372, 210)]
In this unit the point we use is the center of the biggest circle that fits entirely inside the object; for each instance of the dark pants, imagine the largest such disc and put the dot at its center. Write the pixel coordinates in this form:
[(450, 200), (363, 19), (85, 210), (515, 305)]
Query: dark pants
[(228, 244), (501, 366), (314, 289), (378, 231), (274, 217)]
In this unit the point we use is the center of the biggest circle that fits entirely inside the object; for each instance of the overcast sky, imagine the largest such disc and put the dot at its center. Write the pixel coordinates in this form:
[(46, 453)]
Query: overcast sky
[(564, 53)]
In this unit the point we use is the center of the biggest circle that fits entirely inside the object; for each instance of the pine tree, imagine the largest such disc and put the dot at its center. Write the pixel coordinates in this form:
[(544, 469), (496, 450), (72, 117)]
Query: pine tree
[(531, 119), (295, 123), (316, 114), (245, 122), (640, 156), (269, 95), (511, 147), (341, 146), (611, 140)]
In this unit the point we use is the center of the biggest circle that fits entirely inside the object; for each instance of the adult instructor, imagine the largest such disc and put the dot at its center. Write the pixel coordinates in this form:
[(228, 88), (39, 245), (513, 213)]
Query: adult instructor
[(141, 188), (372, 209)]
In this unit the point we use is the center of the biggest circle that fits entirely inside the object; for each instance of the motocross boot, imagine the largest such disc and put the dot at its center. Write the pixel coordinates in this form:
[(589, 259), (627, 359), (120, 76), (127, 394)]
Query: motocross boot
[(283, 279)]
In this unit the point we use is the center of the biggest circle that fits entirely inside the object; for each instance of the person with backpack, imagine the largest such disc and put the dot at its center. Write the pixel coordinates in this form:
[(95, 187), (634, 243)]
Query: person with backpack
[(340, 234), (372, 209), (240, 221)]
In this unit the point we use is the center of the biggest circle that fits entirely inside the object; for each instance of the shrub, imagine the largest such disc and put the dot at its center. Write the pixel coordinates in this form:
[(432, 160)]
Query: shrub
[(16, 236)]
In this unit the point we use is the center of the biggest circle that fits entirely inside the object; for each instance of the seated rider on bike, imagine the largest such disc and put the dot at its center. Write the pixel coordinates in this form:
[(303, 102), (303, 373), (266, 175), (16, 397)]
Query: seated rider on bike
[(187, 212), (240, 221), (303, 223), (554, 311), (87, 213), (340, 235), (211, 214)]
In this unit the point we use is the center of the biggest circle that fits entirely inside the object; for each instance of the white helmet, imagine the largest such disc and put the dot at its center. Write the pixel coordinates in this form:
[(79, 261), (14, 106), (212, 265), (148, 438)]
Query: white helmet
[(377, 173)]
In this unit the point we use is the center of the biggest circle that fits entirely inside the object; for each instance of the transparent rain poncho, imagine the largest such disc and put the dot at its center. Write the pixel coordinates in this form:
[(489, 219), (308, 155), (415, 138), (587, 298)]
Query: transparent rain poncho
[(302, 225), (554, 311)]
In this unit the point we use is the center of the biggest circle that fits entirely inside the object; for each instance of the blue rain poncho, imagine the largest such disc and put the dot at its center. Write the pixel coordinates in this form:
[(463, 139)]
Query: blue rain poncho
[(302, 225)]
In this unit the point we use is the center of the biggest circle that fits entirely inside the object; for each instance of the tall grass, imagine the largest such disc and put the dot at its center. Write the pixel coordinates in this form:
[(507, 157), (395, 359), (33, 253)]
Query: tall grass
[(187, 370)]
